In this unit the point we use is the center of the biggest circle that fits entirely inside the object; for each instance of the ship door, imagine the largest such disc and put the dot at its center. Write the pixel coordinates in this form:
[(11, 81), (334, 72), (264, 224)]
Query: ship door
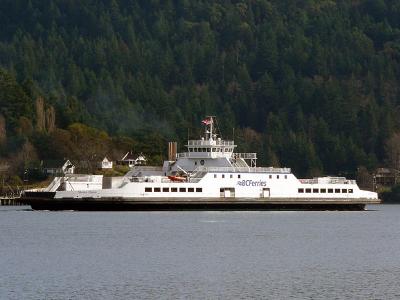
[(265, 193), (227, 192)]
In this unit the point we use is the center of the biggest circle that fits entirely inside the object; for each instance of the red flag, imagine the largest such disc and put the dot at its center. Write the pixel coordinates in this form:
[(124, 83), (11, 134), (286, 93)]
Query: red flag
[(207, 121)]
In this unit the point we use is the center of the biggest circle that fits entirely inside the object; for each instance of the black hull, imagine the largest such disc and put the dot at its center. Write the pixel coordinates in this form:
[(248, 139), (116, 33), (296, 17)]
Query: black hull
[(103, 206), (46, 201)]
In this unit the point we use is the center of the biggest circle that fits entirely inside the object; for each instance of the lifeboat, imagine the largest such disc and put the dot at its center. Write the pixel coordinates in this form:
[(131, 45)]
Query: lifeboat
[(177, 178)]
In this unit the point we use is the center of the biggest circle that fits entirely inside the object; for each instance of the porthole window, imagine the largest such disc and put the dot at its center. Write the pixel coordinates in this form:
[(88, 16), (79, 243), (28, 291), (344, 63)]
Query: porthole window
[(202, 162)]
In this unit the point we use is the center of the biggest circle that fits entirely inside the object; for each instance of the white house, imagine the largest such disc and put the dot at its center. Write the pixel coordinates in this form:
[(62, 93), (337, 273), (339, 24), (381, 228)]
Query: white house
[(106, 164), (131, 160), (57, 168)]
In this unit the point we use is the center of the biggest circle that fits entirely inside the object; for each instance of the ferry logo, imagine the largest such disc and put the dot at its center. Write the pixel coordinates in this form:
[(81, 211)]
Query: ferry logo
[(251, 183)]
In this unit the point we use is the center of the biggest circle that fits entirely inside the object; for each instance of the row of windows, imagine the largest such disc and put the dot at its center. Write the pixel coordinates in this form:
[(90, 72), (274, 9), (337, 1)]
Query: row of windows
[(223, 176), (210, 149), (173, 190), (330, 191), (238, 176)]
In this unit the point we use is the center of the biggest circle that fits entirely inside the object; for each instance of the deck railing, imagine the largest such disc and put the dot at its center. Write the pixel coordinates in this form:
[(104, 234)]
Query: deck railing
[(245, 155), (202, 154), (244, 170), (328, 180), (210, 143)]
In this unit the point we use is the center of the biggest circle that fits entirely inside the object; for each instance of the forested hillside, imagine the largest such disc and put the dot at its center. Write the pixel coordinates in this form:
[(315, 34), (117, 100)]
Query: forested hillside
[(313, 85)]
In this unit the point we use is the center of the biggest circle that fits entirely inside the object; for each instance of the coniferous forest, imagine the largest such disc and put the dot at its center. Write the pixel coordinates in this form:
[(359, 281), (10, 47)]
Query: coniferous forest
[(312, 85)]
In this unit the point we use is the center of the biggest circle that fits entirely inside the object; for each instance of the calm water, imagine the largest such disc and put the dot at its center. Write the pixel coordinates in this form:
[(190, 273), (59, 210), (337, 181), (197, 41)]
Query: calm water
[(206, 255)]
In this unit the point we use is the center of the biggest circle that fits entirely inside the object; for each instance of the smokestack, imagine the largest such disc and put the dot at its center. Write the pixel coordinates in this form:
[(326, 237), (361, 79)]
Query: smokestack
[(172, 148)]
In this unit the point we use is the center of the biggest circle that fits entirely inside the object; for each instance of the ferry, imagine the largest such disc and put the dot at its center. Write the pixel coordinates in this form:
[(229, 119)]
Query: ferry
[(210, 175)]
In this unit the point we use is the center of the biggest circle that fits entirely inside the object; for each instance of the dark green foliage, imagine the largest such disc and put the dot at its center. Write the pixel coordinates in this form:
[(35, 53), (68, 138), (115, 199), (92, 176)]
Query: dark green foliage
[(392, 196), (318, 81), (14, 102)]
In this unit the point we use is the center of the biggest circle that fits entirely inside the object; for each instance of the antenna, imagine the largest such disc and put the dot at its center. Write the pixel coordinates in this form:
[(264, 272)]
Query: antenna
[(219, 130)]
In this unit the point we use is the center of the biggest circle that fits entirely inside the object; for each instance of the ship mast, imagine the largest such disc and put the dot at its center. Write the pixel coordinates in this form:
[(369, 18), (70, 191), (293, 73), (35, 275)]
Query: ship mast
[(209, 132), (211, 127)]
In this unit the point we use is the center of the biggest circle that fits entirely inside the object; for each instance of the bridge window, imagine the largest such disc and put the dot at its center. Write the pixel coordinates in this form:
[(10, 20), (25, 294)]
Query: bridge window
[(308, 190), (165, 190), (344, 190), (301, 190), (182, 190), (157, 190), (213, 150), (239, 176), (323, 191), (330, 191), (223, 175), (285, 176), (231, 176), (174, 190), (208, 149), (148, 190), (277, 176), (315, 190), (337, 190), (191, 190), (215, 175), (199, 190), (270, 176), (350, 191)]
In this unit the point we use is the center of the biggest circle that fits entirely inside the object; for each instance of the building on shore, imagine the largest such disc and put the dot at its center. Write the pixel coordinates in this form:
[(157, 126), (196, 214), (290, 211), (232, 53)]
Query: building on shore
[(106, 164), (58, 167)]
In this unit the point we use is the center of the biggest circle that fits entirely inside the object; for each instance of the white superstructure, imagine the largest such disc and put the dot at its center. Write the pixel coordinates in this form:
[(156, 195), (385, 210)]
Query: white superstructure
[(211, 170)]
